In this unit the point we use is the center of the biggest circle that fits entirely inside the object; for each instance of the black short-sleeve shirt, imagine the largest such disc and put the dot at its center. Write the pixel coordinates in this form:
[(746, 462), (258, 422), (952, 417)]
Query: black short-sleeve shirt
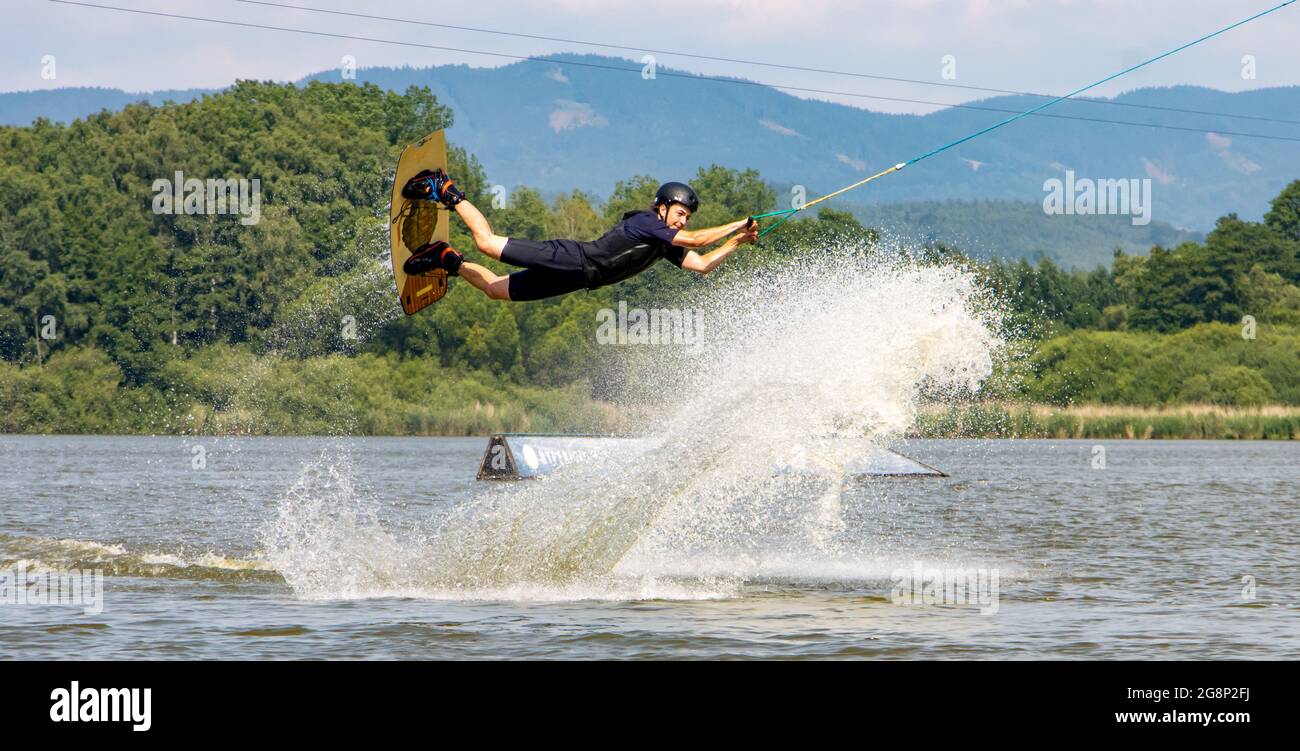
[(630, 247)]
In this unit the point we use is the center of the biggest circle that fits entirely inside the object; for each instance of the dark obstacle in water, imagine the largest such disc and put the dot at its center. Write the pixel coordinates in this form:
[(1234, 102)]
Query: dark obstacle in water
[(518, 456)]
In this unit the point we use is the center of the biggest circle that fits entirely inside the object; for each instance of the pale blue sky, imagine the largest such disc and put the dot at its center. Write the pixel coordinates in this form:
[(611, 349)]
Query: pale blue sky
[(1038, 45)]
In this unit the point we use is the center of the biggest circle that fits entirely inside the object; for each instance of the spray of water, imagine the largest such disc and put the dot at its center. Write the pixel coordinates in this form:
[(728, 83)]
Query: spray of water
[(838, 345)]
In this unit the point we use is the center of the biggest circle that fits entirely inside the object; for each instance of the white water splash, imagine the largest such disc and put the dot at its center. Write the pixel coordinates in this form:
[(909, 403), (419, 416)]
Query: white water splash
[(840, 346), (38, 554)]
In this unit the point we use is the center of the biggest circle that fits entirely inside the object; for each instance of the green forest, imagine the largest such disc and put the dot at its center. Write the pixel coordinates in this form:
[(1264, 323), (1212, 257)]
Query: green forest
[(117, 318)]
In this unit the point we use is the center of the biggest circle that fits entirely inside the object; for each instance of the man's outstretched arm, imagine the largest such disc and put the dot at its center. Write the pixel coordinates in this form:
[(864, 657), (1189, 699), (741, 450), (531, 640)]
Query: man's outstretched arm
[(702, 237), (703, 264)]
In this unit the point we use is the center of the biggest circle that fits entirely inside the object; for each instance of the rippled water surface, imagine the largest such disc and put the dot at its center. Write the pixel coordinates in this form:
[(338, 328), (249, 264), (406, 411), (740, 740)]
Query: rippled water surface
[(389, 549)]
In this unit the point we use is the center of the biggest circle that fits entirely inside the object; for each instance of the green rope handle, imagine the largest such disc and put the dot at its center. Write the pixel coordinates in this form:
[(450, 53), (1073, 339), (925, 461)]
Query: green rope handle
[(776, 224), (785, 215), (773, 213)]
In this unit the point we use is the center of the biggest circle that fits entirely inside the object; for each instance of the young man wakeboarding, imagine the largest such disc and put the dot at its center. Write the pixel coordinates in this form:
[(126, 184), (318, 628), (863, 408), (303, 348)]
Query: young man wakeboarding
[(558, 267)]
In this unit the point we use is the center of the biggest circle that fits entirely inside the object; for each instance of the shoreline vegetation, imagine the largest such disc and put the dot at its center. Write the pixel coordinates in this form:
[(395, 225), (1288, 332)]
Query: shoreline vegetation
[(976, 420), (1107, 421), (81, 391)]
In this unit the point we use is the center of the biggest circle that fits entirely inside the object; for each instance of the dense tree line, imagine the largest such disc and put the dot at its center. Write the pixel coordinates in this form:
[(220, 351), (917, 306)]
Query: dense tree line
[(1243, 268), (79, 239)]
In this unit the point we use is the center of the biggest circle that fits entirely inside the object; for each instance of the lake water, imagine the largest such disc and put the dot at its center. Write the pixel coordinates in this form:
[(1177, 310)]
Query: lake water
[(388, 548)]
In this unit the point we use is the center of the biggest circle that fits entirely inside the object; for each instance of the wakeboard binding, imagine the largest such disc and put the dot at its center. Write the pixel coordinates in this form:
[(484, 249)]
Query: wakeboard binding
[(435, 255), (433, 185)]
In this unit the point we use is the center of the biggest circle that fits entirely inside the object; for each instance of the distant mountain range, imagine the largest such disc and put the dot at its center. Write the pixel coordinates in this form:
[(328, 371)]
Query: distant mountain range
[(1006, 229), (561, 125), (66, 105)]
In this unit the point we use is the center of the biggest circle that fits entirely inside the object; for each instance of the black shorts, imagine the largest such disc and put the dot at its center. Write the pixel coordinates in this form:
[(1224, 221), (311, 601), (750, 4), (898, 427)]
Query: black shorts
[(551, 267)]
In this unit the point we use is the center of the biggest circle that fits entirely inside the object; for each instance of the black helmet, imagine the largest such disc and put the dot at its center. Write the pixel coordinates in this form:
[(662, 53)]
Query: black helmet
[(682, 193)]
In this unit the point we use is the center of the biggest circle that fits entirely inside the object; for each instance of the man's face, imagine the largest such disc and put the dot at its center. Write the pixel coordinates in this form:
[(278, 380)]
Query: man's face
[(676, 215)]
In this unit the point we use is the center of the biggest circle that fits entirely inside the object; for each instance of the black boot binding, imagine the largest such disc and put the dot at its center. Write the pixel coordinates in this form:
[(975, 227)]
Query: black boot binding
[(433, 185), (435, 255)]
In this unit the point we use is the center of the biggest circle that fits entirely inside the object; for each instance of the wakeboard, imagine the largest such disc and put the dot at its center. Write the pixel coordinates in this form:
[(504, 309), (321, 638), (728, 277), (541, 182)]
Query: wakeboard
[(414, 223)]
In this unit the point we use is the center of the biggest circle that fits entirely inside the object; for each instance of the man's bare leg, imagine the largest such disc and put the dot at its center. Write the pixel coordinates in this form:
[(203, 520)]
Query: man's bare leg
[(492, 285), (487, 241)]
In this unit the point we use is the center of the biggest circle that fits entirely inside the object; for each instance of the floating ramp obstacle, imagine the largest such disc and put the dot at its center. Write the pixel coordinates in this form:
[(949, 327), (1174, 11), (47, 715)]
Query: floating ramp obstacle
[(518, 456)]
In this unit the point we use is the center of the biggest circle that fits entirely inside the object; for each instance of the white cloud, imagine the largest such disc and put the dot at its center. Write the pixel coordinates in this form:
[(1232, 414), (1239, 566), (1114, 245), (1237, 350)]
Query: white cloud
[(856, 164), (1239, 163), (1217, 141), (777, 127), (1159, 173), (570, 115), (1235, 161)]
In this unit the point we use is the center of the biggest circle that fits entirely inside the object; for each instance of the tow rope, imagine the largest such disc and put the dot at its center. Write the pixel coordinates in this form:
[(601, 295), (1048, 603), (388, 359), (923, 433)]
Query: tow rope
[(786, 214)]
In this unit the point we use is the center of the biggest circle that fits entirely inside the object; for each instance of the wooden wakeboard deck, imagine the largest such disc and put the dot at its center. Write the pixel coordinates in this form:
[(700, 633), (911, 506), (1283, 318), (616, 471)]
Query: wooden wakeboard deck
[(415, 223)]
